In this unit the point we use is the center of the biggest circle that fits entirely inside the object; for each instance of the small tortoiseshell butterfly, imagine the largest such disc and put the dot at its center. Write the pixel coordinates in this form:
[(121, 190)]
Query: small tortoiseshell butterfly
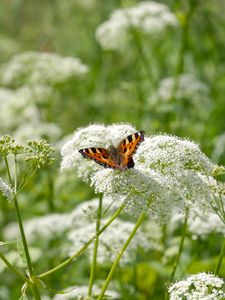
[(120, 157)]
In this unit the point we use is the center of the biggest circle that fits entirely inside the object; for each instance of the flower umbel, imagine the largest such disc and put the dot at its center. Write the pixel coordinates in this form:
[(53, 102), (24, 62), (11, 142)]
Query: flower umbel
[(199, 286), (39, 153), (6, 190), (169, 171)]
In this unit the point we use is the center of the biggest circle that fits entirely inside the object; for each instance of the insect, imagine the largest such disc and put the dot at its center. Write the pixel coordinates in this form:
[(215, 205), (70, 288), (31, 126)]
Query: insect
[(120, 157)]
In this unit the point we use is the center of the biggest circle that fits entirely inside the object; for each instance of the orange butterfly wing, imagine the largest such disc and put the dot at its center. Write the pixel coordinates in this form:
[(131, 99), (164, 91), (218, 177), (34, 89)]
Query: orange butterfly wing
[(100, 155), (121, 157), (128, 146)]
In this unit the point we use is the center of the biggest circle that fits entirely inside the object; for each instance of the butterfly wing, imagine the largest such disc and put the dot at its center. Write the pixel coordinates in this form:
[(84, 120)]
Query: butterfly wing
[(128, 146), (100, 155)]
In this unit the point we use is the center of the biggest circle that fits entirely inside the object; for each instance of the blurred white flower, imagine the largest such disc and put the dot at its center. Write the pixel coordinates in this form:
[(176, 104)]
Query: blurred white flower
[(169, 172), (200, 286), (6, 95), (38, 131), (203, 223), (188, 90), (40, 68), (87, 211), (80, 292), (110, 242), (17, 261), (6, 190), (15, 110), (47, 227), (188, 87), (37, 93), (147, 17)]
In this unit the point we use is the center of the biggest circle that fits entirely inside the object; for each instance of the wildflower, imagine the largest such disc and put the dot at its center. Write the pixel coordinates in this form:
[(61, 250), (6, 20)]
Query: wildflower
[(95, 135), (46, 227), (39, 153), (169, 172), (16, 110), (147, 17), (6, 190), (110, 242), (38, 131), (189, 87), (200, 286), (203, 223), (41, 68)]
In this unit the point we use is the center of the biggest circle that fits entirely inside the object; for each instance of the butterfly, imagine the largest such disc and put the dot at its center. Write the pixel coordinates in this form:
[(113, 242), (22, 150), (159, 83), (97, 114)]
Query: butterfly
[(120, 157)]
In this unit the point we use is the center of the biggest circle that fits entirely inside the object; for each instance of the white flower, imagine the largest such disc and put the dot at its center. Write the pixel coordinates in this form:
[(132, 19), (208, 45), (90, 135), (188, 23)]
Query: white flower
[(188, 90), (203, 223), (189, 87), (201, 286), (6, 190), (15, 110), (147, 17), (6, 95), (47, 227), (40, 130), (110, 242), (37, 93), (40, 68), (169, 171), (95, 135), (87, 211), (79, 293)]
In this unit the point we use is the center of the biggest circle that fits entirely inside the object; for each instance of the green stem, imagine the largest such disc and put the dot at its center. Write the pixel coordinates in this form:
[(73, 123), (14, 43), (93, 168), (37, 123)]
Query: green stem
[(113, 268), (180, 247), (84, 247), (11, 267), (35, 292), (22, 233), (219, 263), (94, 262)]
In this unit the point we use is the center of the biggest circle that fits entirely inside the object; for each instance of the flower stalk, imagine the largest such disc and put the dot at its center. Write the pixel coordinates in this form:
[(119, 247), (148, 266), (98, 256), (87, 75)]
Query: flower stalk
[(113, 268), (181, 246), (84, 247), (94, 262), (219, 263)]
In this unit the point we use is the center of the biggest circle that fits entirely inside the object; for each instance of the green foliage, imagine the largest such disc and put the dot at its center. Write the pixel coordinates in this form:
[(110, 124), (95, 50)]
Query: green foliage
[(170, 83)]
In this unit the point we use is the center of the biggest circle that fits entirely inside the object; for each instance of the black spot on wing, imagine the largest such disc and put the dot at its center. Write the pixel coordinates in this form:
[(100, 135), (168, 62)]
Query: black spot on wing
[(130, 139), (93, 150)]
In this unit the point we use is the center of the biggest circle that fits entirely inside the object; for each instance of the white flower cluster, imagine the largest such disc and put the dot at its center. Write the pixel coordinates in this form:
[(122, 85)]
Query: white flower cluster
[(91, 136), (40, 68), (6, 190), (169, 171), (19, 114), (53, 225), (203, 223), (200, 286), (110, 242), (147, 17), (186, 88), (81, 292)]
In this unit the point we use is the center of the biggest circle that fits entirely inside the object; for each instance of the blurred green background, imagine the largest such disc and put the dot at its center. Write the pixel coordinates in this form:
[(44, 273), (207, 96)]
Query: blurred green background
[(125, 85)]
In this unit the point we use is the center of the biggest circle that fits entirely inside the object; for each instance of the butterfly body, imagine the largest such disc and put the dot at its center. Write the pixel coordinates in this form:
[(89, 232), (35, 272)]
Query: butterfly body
[(121, 157)]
